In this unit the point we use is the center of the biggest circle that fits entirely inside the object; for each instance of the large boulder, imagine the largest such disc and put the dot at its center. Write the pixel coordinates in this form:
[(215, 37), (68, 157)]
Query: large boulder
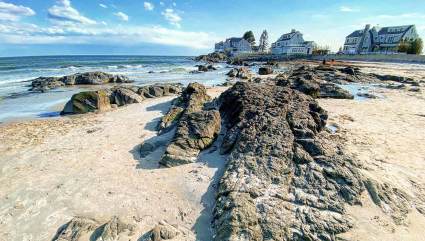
[(88, 101), (124, 96), (285, 179), (265, 70), (330, 90), (197, 128), (241, 73), (195, 132), (76, 230), (90, 78)]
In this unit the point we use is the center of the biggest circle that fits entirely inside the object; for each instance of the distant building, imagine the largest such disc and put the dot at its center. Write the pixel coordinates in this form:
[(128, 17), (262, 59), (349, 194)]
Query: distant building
[(292, 44), (378, 40), (234, 46)]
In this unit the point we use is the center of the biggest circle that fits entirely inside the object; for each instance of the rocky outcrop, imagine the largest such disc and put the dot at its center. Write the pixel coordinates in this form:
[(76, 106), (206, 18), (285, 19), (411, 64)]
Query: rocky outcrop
[(163, 231), (284, 179), (307, 80), (90, 78), (82, 229), (197, 127), (241, 73), (101, 100), (75, 229), (265, 71), (88, 101), (213, 57), (206, 68)]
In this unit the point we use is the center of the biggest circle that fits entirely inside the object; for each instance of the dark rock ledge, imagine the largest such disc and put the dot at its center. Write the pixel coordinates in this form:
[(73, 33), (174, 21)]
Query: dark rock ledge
[(43, 84)]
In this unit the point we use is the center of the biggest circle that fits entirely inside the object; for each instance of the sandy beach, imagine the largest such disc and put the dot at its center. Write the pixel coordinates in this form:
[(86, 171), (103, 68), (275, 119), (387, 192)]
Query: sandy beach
[(89, 165)]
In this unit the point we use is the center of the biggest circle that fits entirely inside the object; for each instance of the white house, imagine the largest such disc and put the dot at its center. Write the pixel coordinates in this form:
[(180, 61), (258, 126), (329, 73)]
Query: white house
[(234, 46), (292, 43), (378, 40)]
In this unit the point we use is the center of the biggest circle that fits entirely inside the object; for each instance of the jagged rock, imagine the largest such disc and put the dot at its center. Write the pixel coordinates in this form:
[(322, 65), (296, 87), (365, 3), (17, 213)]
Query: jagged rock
[(329, 90), (213, 57), (114, 228), (284, 179), (163, 231), (265, 71), (172, 116), (306, 80), (196, 131), (206, 68), (77, 228), (125, 96), (102, 100), (196, 128), (82, 229), (89, 101), (242, 73), (235, 61), (89, 78)]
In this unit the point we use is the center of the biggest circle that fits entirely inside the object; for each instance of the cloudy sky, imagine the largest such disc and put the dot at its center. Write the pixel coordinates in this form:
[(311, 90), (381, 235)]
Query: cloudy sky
[(184, 27)]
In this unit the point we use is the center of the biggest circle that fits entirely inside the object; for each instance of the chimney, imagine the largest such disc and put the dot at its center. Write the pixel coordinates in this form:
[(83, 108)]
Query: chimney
[(367, 27), (293, 30)]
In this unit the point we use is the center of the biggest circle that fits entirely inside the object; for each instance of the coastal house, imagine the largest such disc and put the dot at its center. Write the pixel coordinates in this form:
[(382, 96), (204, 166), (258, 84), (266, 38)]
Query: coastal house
[(234, 46), (292, 43), (378, 40)]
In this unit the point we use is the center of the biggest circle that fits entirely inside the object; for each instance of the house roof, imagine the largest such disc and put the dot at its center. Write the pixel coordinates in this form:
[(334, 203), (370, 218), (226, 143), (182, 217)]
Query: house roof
[(287, 36), (394, 29), (233, 40), (356, 34)]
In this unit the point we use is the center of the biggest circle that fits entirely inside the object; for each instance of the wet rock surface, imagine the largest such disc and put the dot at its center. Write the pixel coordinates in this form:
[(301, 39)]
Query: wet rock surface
[(197, 127), (102, 100), (285, 178), (90, 78)]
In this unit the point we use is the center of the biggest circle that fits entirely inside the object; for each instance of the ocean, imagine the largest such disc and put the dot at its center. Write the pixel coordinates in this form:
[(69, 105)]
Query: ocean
[(16, 73)]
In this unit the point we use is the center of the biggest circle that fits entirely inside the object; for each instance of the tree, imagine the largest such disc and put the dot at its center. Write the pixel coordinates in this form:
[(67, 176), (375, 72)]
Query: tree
[(416, 46), (264, 42), (249, 36), (403, 46), (321, 50)]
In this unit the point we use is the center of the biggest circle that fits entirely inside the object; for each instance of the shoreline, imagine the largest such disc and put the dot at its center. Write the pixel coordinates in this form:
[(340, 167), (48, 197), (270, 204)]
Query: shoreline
[(90, 165)]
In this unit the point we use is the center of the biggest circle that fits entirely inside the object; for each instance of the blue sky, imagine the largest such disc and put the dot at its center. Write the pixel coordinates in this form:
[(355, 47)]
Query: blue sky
[(184, 27)]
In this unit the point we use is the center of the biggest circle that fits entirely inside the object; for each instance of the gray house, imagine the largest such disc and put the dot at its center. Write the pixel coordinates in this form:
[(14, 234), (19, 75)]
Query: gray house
[(378, 40), (292, 43), (234, 46)]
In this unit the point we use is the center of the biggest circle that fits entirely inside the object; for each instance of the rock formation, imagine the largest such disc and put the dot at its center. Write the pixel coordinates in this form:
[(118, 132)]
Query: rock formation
[(82, 229), (284, 180), (265, 71), (241, 73), (308, 81), (90, 78), (213, 58), (101, 100), (197, 127)]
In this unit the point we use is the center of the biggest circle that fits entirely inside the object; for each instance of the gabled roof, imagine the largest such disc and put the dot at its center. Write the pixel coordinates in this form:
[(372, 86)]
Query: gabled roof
[(399, 29), (234, 40), (287, 36), (356, 34)]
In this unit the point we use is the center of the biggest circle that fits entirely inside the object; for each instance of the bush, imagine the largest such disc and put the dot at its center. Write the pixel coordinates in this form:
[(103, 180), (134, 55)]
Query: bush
[(411, 47)]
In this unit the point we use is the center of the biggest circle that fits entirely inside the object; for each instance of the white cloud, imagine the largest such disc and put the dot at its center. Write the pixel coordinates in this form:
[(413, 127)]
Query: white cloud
[(172, 17), (161, 3), (103, 5), (12, 12), (347, 9), (30, 33), (148, 6), (122, 16), (62, 12)]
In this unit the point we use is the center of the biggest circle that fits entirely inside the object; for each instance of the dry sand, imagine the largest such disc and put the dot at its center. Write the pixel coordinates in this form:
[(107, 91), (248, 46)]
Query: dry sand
[(387, 136), (53, 170)]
